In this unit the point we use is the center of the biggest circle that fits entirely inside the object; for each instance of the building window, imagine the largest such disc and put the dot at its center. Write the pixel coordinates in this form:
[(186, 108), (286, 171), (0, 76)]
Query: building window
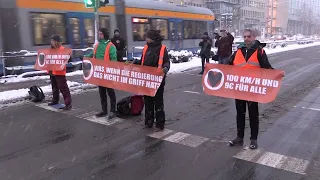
[(140, 26), (45, 25), (194, 29), (162, 25)]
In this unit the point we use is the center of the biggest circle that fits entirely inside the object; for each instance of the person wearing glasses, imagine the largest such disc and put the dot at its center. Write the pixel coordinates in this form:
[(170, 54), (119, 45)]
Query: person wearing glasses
[(250, 54)]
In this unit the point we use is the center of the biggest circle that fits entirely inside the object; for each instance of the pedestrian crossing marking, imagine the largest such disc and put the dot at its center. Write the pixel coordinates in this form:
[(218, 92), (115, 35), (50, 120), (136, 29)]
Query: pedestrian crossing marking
[(179, 138), (89, 116), (274, 160)]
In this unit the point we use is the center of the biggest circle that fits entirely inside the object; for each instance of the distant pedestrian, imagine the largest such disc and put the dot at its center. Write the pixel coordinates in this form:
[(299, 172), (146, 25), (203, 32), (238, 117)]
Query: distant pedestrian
[(58, 79), (99, 53), (224, 45), (249, 55), (120, 44), (205, 51), (155, 55)]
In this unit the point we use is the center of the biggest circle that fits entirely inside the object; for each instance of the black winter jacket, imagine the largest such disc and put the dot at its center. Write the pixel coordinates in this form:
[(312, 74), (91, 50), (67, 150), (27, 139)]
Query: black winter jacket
[(152, 56), (262, 57)]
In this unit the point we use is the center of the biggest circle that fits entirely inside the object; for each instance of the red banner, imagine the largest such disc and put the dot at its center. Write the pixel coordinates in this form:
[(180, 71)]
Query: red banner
[(251, 84), (137, 79), (52, 59)]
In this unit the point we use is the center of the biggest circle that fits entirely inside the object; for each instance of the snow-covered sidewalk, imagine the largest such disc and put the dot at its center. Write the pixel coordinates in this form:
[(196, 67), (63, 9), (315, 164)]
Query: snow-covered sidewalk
[(22, 94)]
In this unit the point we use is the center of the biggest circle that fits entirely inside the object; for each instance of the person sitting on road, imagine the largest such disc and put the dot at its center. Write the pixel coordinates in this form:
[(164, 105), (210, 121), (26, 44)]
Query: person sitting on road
[(249, 55), (58, 79), (155, 55), (99, 52)]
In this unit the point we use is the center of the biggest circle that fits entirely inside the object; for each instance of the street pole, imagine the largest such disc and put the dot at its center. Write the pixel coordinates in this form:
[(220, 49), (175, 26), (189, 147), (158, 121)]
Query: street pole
[(96, 21)]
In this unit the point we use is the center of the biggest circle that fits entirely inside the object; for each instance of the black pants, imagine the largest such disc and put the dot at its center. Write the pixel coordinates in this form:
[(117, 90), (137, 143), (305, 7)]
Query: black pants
[(59, 83), (104, 100), (204, 59), (155, 103), (253, 116)]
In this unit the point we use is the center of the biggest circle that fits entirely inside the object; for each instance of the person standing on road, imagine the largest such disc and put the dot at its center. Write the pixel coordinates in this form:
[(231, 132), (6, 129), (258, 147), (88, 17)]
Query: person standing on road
[(58, 79), (119, 42), (205, 45), (224, 45), (105, 45), (155, 55), (249, 55)]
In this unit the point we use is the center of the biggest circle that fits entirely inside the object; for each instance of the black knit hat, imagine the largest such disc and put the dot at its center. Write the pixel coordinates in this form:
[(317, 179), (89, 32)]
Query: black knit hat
[(105, 33), (154, 35), (116, 30), (206, 33), (56, 37)]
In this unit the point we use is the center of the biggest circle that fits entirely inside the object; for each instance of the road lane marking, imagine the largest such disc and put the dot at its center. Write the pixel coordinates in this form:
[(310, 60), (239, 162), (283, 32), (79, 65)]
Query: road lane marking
[(313, 109), (274, 160), (89, 116), (192, 92)]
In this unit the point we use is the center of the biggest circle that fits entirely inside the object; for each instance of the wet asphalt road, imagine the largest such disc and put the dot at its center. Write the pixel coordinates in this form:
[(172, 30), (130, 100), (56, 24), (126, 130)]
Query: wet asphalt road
[(42, 144)]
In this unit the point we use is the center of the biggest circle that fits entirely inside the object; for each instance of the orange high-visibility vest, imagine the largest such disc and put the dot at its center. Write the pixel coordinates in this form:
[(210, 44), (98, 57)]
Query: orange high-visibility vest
[(160, 62), (106, 53), (252, 62), (64, 71)]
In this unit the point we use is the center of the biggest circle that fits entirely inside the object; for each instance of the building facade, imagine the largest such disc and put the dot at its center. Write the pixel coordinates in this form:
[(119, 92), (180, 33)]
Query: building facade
[(277, 16), (253, 14), (245, 13), (303, 16), (293, 17)]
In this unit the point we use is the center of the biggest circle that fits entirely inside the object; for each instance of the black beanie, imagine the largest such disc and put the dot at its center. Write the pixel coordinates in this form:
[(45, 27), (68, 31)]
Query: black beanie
[(206, 33), (154, 35), (56, 37), (116, 30), (105, 33)]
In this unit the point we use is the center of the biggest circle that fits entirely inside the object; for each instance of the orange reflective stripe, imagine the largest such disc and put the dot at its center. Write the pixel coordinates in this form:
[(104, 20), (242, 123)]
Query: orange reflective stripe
[(160, 62), (145, 48), (106, 53), (240, 60)]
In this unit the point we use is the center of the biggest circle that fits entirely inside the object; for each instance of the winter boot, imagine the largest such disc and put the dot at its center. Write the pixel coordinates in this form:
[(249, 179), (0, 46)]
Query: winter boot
[(253, 144), (112, 115), (102, 114), (67, 107), (236, 142)]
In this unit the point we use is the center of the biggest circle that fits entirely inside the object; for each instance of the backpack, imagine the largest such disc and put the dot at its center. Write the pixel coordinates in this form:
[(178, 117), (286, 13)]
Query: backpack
[(137, 104), (36, 94), (131, 105)]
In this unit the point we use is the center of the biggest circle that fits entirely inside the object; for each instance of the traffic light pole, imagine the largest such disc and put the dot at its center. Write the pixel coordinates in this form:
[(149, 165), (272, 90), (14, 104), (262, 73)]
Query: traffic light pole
[(96, 21)]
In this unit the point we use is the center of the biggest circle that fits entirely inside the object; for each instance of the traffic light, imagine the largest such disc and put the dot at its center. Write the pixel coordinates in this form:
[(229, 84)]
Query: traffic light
[(90, 3), (104, 3)]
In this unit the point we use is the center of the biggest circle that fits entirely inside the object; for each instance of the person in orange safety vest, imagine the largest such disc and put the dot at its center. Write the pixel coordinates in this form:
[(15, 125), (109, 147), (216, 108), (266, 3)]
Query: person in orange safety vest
[(58, 80), (249, 55), (155, 54)]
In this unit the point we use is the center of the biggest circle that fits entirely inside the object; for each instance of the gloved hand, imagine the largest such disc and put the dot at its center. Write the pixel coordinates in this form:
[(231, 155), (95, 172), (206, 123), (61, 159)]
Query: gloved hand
[(165, 70)]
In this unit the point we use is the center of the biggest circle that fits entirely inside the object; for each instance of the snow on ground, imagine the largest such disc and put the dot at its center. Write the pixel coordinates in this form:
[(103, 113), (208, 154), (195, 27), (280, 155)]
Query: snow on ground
[(13, 95)]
